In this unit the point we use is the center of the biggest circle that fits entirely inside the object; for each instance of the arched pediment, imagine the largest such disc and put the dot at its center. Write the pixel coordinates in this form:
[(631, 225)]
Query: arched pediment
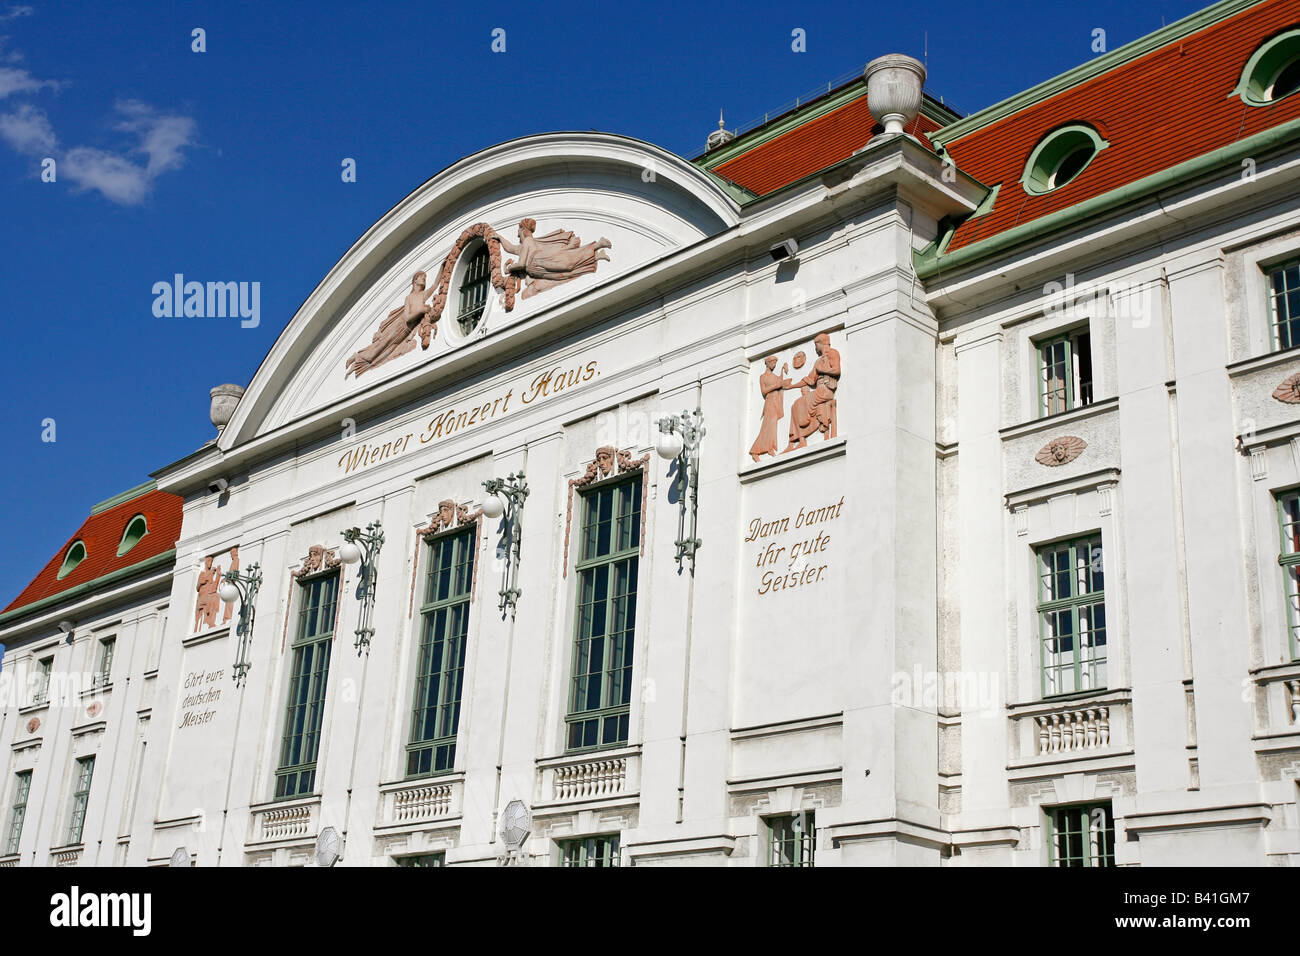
[(560, 214)]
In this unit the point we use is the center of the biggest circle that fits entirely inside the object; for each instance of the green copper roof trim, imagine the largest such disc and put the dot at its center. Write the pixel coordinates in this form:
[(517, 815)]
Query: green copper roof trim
[(1101, 64), (929, 262), (127, 495), (948, 227), (828, 103), (734, 190), (113, 577)]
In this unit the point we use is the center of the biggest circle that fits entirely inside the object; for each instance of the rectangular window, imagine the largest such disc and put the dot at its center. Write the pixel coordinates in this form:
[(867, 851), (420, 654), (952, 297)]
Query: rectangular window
[(590, 851), (1288, 515), (1065, 373), (426, 859), (105, 669), (440, 670), (18, 811), (609, 552), (1284, 304), (80, 797), (791, 840), (1082, 835), (305, 711), (44, 670), (1072, 616)]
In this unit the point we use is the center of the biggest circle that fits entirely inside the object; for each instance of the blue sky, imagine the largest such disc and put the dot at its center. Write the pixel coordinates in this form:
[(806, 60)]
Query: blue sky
[(225, 165)]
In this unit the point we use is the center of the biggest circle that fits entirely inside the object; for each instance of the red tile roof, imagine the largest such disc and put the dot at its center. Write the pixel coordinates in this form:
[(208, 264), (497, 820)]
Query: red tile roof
[(811, 146), (1168, 106), (102, 533)]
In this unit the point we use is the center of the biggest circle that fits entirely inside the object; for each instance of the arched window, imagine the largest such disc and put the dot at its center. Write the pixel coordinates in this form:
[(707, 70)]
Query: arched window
[(76, 554), (1059, 157), (1273, 71), (136, 529), (474, 283)]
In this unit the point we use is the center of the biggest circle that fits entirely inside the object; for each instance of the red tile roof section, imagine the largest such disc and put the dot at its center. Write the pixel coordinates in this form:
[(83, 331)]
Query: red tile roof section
[(1164, 108), (102, 533), (812, 146)]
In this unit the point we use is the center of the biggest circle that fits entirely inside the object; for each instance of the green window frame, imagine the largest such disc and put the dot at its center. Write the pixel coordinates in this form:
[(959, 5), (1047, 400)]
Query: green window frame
[(1081, 835), (1060, 157), (104, 669), (304, 713), (1072, 616), (792, 839), (423, 859), (76, 554), (44, 671), (1273, 71), (602, 850), (1284, 304), (80, 798), (605, 627), (1288, 520), (136, 529), (1065, 372), (18, 811), (440, 668), (474, 289)]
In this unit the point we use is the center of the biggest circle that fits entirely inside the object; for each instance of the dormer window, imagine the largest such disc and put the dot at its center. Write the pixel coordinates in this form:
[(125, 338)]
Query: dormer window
[(1059, 157), (1273, 72), (136, 529), (474, 283), (76, 554)]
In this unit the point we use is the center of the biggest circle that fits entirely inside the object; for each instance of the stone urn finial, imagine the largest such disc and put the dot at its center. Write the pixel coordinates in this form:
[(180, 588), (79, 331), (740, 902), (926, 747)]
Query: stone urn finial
[(894, 83), (224, 400)]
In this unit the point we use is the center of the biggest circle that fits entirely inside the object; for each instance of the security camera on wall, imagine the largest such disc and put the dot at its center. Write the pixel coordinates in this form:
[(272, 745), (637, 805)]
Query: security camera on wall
[(785, 249), (217, 485), (66, 627)]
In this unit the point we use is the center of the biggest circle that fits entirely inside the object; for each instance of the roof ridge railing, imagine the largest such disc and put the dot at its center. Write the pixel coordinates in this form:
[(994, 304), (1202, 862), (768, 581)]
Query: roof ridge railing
[(798, 101)]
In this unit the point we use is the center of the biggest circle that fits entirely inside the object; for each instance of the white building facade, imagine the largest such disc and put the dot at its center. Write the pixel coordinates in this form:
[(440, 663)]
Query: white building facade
[(1022, 600)]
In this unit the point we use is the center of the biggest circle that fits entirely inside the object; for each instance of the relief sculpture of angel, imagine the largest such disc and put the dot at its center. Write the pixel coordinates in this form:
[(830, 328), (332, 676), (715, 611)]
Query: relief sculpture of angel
[(549, 260)]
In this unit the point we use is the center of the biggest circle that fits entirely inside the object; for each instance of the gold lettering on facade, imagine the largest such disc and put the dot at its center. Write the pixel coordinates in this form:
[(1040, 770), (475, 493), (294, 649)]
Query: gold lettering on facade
[(787, 563), (458, 418)]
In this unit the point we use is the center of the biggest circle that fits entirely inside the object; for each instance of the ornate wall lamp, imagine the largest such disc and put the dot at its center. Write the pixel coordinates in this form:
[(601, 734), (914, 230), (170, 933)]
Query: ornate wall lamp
[(505, 496), (679, 438), (242, 586), (364, 546)]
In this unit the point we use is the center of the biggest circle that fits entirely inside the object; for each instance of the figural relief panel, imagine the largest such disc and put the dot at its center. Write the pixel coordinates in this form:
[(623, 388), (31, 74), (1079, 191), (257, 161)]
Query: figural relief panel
[(814, 410), (208, 603), (542, 262)]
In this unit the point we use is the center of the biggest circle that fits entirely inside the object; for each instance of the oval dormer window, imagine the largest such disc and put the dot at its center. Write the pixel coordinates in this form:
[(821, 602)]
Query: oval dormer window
[(76, 554), (475, 280), (136, 529), (1273, 72), (1060, 156)]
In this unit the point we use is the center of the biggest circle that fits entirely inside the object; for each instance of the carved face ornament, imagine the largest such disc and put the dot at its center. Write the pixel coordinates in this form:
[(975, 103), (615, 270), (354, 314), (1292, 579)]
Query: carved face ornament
[(1060, 451), (1289, 390)]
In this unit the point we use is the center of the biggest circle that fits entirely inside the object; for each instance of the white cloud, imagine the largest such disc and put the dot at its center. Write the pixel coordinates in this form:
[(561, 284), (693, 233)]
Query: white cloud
[(123, 175), (28, 131), (14, 80), (162, 139)]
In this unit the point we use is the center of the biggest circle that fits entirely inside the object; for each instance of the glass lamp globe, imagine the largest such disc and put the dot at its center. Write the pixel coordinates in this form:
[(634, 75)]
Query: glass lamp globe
[(494, 506), (350, 553), (228, 593), (669, 445)]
